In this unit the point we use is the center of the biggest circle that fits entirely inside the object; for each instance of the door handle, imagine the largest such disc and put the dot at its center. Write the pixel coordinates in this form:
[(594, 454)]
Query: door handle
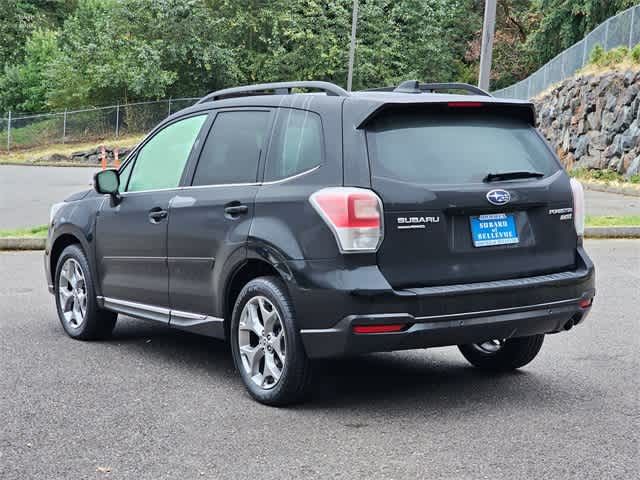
[(236, 210), (157, 214)]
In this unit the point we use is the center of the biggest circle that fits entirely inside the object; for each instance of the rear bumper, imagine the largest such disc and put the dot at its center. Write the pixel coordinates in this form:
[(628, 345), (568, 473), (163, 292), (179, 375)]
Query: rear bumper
[(458, 329), (329, 301)]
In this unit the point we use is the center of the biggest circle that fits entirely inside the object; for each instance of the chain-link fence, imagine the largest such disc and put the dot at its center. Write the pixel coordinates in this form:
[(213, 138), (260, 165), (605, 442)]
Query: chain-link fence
[(24, 131), (618, 31)]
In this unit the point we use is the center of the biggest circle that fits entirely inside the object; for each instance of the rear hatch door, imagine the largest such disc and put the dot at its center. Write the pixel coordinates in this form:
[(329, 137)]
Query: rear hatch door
[(450, 218)]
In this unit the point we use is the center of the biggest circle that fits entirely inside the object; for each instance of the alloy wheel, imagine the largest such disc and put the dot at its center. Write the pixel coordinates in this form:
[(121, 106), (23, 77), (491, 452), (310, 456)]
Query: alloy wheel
[(261, 341), (72, 292)]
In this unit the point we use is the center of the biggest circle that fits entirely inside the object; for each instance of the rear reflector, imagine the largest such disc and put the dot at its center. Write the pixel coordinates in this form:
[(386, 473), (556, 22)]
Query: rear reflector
[(585, 303), (354, 215), (464, 104), (378, 328)]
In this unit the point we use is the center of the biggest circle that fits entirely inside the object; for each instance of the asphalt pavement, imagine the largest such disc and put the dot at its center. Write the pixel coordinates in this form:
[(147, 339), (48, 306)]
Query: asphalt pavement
[(27, 193), (152, 403)]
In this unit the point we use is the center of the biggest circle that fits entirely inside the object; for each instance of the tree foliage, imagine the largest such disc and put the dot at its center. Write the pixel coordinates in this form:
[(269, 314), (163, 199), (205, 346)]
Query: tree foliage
[(66, 53)]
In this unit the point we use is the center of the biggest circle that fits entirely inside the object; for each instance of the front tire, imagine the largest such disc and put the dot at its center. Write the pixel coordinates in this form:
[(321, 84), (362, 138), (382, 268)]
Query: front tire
[(503, 355), (266, 345), (76, 299)]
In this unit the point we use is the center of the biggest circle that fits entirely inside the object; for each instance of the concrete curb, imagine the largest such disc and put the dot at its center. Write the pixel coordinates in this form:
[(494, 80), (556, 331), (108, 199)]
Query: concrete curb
[(612, 232), (22, 243), (633, 191)]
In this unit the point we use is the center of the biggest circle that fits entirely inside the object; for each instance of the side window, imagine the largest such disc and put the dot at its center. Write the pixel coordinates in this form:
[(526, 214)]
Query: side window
[(233, 147), (296, 146), (160, 162)]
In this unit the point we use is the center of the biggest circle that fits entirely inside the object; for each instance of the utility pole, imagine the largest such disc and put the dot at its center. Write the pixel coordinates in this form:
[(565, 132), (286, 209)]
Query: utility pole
[(352, 48), (488, 30)]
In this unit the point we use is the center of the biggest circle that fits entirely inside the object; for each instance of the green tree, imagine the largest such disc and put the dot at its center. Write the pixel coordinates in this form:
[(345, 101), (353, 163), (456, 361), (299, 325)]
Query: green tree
[(19, 18), (563, 23), (24, 87), (139, 49)]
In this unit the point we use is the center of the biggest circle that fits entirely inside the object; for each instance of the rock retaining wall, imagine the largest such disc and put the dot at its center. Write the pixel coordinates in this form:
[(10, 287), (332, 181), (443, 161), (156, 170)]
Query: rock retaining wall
[(90, 157), (593, 121)]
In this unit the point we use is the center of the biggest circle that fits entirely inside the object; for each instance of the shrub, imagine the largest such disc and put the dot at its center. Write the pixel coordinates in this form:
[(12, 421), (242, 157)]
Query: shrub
[(635, 54), (596, 55), (615, 56)]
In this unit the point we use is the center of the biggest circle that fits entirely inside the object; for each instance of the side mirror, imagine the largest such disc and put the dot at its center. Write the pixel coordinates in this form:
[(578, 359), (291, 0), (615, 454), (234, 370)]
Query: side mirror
[(107, 182)]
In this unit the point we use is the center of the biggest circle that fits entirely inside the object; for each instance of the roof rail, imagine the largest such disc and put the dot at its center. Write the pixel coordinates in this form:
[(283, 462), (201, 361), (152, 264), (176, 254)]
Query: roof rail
[(414, 86), (279, 88)]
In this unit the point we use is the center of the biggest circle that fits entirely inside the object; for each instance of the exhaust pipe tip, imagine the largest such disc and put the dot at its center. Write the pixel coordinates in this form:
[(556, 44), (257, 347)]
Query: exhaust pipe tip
[(575, 320)]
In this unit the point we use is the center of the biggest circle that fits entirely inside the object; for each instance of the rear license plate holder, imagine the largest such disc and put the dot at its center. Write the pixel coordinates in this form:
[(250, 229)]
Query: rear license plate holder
[(494, 229)]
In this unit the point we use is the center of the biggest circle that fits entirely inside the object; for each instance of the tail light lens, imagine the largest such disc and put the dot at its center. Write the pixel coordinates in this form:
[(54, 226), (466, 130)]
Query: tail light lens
[(578, 206), (354, 215)]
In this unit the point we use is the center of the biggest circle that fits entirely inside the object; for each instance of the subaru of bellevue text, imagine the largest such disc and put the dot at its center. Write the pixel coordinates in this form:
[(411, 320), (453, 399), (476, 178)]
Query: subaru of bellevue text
[(299, 221)]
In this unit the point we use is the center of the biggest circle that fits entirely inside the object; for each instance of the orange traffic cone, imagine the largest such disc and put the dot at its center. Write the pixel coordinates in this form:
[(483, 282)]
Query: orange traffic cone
[(103, 158), (116, 159)]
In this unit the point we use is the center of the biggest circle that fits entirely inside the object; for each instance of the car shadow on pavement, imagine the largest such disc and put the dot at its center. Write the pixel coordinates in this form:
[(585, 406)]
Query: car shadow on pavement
[(420, 379)]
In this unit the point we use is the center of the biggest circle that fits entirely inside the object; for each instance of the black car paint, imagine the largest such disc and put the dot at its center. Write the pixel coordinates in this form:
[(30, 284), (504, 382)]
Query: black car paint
[(330, 291)]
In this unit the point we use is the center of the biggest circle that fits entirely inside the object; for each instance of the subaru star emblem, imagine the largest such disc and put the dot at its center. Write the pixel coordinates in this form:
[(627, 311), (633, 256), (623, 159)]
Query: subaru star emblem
[(498, 197)]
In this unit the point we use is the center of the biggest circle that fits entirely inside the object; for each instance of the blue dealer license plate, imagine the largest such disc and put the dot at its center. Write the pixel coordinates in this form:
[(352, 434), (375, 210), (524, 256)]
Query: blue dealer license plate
[(495, 229)]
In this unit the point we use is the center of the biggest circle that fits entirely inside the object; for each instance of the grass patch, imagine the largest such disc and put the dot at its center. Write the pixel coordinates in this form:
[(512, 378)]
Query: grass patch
[(27, 156), (32, 232), (606, 221), (605, 176), (32, 134)]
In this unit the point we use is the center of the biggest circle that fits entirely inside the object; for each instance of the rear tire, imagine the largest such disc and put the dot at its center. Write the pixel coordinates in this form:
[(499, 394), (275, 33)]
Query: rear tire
[(76, 299), (509, 355), (266, 345)]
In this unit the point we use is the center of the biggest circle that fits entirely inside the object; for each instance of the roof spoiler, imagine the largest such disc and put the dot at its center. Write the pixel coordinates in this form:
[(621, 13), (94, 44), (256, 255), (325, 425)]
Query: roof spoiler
[(523, 110)]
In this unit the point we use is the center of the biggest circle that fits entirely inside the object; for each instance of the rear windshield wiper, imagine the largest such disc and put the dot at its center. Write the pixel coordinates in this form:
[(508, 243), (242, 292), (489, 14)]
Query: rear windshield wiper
[(491, 177)]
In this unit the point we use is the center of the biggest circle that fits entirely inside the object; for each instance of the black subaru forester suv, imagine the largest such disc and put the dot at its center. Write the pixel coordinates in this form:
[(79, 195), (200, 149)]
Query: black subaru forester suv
[(308, 225)]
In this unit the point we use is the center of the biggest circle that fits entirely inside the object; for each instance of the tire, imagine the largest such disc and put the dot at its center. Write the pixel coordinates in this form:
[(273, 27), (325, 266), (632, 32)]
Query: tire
[(77, 307), (269, 354), (513, 353)]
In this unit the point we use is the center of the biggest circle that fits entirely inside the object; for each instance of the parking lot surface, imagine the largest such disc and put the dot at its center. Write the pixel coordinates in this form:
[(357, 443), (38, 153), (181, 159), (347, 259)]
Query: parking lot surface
[(152, 403), (27, 193)]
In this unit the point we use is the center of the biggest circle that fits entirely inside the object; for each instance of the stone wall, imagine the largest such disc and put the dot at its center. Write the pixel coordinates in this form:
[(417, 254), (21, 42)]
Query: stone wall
[(89, 157), (593, 121)]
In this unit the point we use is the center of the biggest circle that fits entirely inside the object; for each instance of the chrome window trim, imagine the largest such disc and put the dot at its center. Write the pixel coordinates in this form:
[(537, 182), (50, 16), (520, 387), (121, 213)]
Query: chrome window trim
[(218, 185), (286, 179)]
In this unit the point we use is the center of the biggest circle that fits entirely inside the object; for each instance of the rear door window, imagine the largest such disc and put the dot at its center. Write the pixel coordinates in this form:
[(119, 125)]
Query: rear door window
[(296, 145), (233, 148), (454, 147)]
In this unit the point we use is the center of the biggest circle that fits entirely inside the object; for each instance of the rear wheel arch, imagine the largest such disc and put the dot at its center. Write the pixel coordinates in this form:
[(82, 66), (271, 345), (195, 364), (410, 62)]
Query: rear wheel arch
[(247, 271)]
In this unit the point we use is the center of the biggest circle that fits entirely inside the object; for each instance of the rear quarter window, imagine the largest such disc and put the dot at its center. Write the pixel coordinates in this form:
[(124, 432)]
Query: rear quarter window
[(454, 147), (296, 146)]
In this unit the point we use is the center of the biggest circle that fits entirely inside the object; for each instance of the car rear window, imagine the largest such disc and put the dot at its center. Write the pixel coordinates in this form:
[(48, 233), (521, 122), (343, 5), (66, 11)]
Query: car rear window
[(454, 147)]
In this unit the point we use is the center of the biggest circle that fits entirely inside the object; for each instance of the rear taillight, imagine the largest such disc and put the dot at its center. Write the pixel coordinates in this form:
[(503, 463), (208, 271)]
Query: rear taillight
[(354, 216), (578, 206)]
